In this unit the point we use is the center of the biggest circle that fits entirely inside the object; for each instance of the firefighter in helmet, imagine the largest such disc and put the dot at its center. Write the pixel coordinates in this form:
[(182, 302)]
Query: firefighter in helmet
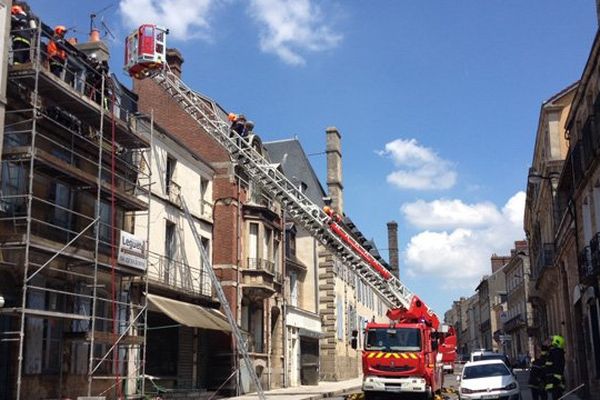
[(21, 34), (537, 372), (555, 367), (57, 56)]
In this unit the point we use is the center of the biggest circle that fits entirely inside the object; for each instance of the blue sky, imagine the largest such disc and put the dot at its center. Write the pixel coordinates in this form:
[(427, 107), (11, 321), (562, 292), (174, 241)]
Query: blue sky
[(437, 103)]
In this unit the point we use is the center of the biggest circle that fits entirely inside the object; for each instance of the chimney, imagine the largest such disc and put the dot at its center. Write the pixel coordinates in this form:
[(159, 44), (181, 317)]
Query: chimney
[(392, 228), (175, 60), (498, 262), (95, 45), (334, 169)]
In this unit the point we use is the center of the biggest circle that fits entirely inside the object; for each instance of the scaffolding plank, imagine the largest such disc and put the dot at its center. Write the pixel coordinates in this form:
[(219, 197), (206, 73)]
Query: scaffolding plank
[(103, 338), (30, 312)]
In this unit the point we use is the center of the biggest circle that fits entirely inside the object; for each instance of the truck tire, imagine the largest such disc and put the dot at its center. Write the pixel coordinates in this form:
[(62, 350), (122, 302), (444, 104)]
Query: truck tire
[(370, 395)]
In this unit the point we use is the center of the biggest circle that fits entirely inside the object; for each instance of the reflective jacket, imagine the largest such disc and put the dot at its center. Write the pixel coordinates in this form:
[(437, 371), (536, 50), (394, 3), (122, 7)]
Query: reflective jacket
[(55, 52)]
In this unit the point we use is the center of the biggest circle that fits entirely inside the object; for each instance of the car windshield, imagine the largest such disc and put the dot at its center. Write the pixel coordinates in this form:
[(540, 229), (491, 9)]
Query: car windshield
[(485, 371), (397, 339)]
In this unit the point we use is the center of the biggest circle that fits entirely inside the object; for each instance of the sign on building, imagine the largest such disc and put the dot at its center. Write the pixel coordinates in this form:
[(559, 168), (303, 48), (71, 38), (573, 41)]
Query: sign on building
[(132, 251)]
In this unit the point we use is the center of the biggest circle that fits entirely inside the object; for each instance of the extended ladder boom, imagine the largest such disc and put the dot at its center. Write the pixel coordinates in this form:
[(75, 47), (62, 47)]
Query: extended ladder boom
[(300, 208)]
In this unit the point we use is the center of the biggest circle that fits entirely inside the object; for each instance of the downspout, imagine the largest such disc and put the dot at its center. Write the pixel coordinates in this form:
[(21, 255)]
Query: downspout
[(284, 305), (238, 288)]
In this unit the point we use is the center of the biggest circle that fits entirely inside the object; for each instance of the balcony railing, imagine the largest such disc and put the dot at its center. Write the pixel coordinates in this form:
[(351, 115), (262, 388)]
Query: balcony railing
[(179, 276), (263, 265), (544, 259)]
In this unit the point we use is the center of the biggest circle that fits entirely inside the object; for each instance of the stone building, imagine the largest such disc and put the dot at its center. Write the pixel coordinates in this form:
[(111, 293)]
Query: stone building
[(578, 251), (518, 317), (550, 227), (248, 227)]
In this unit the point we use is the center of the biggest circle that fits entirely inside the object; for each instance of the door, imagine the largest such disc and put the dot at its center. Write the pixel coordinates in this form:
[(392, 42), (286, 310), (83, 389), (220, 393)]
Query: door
[(309, 361)]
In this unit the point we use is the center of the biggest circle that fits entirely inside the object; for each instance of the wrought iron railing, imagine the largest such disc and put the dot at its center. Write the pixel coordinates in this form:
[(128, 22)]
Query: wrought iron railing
[(178, 275), (263, 265)]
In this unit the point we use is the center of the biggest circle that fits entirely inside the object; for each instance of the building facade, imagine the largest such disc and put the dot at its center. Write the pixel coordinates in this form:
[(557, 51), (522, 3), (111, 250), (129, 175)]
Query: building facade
[(518, 318), (73, 188), (248, 227)]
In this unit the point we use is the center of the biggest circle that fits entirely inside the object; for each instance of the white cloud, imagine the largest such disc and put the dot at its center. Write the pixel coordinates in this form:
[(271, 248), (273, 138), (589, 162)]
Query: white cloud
[(444, 214), (420, 168), (290, 27), (186, 19), (460, 257)]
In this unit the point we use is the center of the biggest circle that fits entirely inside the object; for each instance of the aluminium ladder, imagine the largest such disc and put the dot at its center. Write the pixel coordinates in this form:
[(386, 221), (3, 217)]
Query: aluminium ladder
[(301, 209), (235, 330)]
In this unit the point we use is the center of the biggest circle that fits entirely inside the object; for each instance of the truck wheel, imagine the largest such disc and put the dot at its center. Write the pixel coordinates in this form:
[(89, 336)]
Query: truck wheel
[(370, 396)]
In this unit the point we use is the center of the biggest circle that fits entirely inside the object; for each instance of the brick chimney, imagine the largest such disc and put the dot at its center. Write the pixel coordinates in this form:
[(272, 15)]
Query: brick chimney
[(334, 169), (392, 228), (175, 60), (498, 262)]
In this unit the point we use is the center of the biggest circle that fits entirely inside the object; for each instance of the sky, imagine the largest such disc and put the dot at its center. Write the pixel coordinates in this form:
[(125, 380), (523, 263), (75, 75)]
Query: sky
[(437, 103)]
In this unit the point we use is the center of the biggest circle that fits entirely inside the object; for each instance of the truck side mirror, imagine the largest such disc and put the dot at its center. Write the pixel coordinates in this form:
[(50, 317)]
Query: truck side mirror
[(354, 333), (354, 343)]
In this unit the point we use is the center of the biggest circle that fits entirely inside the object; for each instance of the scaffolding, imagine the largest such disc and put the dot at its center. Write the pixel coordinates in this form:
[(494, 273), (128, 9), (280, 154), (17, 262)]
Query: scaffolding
[(75, 176)]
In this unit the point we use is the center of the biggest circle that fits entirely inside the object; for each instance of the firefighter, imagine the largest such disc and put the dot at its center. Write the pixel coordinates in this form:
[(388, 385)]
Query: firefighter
[(554, 367), (57, 56), (21, 35), (238, 124), (537, 375)]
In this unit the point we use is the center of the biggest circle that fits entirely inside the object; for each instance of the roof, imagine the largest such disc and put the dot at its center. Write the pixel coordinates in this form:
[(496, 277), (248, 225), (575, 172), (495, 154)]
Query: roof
[(296, 167)]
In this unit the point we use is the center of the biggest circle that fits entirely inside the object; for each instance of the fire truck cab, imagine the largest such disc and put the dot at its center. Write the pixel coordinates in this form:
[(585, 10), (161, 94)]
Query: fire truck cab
[(145, 51)]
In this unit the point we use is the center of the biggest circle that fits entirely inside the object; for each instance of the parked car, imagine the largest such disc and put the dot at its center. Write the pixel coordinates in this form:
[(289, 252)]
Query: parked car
[(488, 379), (482, 355)]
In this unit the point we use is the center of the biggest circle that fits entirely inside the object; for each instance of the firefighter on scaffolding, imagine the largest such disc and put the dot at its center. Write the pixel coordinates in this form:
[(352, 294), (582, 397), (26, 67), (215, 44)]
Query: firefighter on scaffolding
[(21, 27), (57, 56)]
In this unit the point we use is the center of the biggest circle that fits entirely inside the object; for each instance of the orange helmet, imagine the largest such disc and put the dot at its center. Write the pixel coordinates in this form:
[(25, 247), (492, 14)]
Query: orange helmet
[(60, 30), (17, 10), (232, 117)]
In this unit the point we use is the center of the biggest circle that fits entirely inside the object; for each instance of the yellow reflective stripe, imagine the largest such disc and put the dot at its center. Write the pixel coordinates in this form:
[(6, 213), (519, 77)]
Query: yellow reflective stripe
[(388, 355), (379, 355), (413, 356), (404, 355), (371, 355), (396, 355)]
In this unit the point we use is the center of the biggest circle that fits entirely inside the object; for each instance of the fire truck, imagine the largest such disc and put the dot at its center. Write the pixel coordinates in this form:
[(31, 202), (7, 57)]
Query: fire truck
[(401, 356)]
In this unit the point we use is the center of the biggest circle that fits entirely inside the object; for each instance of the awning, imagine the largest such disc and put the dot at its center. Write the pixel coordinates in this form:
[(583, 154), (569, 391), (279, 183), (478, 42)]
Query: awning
[(188, 314)]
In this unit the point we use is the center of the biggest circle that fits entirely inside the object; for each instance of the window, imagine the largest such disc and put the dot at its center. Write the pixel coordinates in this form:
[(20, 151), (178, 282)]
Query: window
[(266, 255), (253, 246), (397, 339), (170, 248), (63, 200), (340, 318), (169, 173), (587, 221), (252, 322), (14, 181), (293, 289), (203, 193), (276, 257)]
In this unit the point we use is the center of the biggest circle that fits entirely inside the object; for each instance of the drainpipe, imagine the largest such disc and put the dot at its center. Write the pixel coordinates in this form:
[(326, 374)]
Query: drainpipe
[(238, 287), (284, 305)]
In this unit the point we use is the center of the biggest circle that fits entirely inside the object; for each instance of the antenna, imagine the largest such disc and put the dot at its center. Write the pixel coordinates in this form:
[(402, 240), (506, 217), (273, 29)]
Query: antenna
[(106, 29), (95, 14)]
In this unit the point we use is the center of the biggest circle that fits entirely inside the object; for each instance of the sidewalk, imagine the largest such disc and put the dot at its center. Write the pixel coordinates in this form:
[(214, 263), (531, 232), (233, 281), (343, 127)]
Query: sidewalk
[(322, 390)]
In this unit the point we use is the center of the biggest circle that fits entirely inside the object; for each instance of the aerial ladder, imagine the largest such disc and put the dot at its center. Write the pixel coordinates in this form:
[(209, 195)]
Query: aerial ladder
[(145, 58)]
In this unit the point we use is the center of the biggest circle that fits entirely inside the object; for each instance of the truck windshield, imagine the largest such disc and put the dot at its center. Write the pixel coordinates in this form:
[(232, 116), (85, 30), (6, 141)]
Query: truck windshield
[(396, 339)]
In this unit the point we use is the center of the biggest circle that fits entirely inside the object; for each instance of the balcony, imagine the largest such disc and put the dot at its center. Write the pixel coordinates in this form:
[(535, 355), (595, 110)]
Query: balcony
[(167, 273), (260, 278), (545, 259), (514, 323)]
